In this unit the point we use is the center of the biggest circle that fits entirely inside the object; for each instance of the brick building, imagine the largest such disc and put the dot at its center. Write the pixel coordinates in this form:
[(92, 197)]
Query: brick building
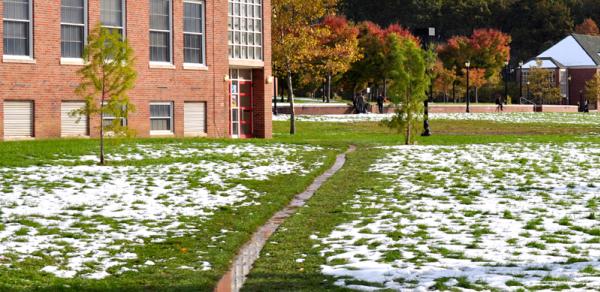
[(204, 67), (574, 61)]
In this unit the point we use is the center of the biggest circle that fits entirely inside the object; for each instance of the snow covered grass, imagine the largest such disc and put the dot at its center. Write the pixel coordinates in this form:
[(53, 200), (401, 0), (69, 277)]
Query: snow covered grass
[(72, 219), (496, 216), (520, 118)]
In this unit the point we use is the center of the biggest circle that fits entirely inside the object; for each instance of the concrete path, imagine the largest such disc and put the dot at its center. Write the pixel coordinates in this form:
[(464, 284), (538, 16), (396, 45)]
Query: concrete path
[(250, 252)]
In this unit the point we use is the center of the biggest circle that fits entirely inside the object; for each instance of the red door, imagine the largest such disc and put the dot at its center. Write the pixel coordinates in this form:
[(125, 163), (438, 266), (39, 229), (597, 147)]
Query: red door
[(241, 109), (246, 122)]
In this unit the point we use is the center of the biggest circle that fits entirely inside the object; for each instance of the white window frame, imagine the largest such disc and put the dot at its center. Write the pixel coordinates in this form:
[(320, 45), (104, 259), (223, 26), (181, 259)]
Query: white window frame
[(112, 118), (76, 61), (202, 63), (30, 55), (171, 112), (159, 64), (123, 19)]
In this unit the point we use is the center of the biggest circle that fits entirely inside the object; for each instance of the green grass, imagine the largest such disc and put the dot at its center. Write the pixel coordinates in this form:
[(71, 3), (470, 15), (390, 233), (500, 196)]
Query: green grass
[(241, 221), (277, 269)]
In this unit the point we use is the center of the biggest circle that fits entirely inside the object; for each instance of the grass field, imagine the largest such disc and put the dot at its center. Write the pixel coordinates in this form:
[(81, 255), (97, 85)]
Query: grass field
[(170, 214), (480, 206), (164, 215)]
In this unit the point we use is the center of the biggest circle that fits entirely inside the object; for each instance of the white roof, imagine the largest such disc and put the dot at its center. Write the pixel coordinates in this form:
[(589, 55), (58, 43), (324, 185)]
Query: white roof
[(569, 53), (546, 64)]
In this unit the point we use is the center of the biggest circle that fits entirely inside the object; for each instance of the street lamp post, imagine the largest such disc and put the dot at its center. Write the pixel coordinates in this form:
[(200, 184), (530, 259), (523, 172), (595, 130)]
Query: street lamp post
[(426, 128), (468, 65), (520, 81), (506, 71), (528, 90)]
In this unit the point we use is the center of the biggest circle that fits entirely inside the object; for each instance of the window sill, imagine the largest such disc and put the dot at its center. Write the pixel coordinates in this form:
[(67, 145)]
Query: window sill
[(72, 61), (18, 59), (162, 133), (161, 65), (197, 67)]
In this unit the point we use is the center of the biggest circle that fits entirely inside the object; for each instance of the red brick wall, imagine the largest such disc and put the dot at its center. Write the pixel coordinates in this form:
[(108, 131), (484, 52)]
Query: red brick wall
[(47, 82), (578, 79)]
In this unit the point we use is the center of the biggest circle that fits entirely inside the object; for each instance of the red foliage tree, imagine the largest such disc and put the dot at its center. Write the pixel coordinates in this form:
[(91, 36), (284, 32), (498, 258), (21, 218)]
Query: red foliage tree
[(486, 49), (588, 26)]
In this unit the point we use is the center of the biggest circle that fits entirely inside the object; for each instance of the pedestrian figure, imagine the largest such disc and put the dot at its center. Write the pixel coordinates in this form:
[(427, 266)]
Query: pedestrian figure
[(586, 106), (499, 103), (380, 101)]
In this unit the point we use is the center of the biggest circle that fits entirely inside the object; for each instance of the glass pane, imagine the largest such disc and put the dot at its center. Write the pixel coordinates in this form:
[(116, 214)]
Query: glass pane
[(192, 21), (16, 9), (159, 46), (160, 110), (234, 115), (247, 116), (16, 38), (71, 41), (246, 75), (111, 13), (246, 129), (192, 48), (159, 15), (246, 101), (72, 11), (160, 125), (235, 129)]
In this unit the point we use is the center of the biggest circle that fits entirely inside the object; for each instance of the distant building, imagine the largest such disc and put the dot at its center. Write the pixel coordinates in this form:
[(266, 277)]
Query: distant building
[(204, 67), (574, 60)]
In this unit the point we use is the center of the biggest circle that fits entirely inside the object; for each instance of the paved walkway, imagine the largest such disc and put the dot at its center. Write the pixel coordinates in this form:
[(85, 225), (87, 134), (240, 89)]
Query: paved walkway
[(250, 252)]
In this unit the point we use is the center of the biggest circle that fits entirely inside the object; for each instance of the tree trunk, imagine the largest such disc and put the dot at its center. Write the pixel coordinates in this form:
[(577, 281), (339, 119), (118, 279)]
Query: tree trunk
[(476, 94), (102, 162), (454, 92), (292, 109), (275, 91), (384, 87), (328, 87)]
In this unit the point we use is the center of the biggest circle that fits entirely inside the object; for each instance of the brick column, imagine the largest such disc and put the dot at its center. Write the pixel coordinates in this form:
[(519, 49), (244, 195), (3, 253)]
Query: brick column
[(263, 89)]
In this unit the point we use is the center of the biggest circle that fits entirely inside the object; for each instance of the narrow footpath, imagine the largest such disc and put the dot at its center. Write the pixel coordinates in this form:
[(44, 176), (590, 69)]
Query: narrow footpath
[(233, 280)]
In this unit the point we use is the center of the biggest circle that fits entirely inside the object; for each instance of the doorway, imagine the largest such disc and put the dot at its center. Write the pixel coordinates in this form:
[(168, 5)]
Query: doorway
[(241, 103)]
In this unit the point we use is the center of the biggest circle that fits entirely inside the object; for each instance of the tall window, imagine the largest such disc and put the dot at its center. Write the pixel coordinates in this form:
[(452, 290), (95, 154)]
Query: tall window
[(112, 15), (245, 29), (160, 30), (161, 117), (72, 28), (193, 32), (17, 28)]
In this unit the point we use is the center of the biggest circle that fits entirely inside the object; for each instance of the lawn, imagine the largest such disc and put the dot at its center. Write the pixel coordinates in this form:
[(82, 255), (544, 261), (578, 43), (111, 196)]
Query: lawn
[(164, 215), (459, 211), (170, 214)]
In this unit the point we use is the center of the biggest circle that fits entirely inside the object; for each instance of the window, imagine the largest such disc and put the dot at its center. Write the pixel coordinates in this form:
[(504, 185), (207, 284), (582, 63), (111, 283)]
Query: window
[(245, 29), (161, 118), (72, 28), (112, 15), (193, 32), (108, 118), (17, 28), (160, 31)]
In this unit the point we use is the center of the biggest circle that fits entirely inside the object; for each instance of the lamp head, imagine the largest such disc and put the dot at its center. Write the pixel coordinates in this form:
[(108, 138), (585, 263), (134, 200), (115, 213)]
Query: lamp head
[(468, 64)]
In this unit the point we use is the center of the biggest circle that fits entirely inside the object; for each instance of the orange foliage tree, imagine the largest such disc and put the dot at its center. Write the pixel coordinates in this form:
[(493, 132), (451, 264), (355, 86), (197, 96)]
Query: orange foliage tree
[(588, 26), (337, 50)]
